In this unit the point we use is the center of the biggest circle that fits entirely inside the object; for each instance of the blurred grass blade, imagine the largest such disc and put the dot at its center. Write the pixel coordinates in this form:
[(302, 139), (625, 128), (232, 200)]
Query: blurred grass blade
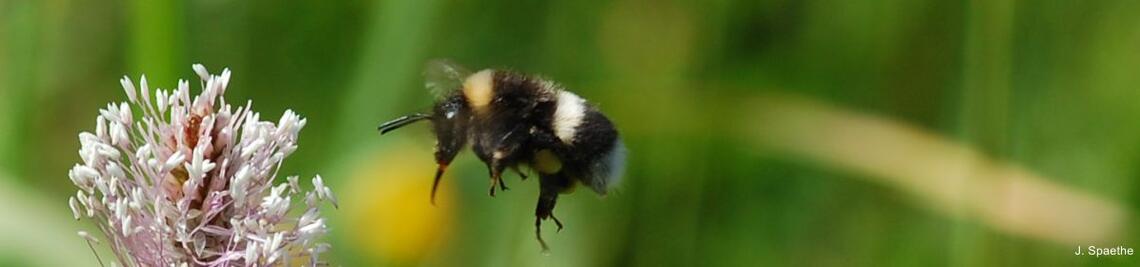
[(399, 31), (951, 177)]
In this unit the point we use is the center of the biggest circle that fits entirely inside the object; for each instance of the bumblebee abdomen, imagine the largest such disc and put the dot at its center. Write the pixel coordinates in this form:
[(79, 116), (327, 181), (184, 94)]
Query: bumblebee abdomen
[(593, 151), (597, 141)]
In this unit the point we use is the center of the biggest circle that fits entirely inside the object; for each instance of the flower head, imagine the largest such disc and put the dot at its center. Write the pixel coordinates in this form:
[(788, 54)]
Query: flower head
[(190, 181)]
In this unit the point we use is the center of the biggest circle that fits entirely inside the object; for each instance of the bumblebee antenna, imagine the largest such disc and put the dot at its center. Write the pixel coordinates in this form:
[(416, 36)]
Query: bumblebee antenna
[(401, 122)]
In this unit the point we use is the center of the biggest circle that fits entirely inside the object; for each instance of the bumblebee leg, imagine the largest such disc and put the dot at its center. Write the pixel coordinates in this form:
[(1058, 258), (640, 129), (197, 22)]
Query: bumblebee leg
[(498, 180), (550, 185), (556, 222), (497, 168), (545, 205), (494, 179), (499, 177), (503, 154), (520, 172), (500, 159), (538, 234), (494, 183)]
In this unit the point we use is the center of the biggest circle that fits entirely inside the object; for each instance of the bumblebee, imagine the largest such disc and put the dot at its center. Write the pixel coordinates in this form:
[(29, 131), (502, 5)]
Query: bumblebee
[(514, 120)]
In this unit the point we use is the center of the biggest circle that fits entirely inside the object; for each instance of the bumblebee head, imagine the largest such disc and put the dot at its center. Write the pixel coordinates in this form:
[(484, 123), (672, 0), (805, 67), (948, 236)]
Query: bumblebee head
[(449, 121)]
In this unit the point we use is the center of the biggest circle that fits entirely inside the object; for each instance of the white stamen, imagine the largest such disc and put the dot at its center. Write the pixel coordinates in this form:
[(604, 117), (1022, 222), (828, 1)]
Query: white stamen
[(74, 204), (174, 160), (129, 88), (201, 71)]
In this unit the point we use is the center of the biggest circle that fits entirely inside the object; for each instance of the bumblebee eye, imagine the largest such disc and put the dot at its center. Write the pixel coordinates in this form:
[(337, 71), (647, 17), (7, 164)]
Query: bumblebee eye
[(450, 109)]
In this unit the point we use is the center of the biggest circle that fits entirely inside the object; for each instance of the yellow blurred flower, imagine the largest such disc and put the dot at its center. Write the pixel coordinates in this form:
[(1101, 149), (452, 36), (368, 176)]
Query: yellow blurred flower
[(391, 215)]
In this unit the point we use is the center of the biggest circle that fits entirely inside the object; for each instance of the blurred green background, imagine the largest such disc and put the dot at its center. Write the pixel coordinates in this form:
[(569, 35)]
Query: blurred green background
[(818, 133)]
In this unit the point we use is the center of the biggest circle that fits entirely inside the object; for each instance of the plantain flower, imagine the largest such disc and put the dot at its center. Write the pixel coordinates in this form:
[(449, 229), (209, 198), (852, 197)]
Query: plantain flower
[(189, 182)]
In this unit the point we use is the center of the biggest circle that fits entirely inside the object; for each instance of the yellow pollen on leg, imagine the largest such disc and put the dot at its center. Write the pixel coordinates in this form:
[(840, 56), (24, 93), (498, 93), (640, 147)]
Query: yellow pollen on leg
[(546, 162)]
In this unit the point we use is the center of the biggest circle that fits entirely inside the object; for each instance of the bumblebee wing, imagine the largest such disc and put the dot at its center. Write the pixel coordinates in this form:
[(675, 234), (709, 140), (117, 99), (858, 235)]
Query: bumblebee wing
[(442, 76)]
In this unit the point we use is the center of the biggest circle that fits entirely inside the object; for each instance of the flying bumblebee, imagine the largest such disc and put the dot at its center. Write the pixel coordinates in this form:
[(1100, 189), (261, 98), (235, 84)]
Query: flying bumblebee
[(514, 120)]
